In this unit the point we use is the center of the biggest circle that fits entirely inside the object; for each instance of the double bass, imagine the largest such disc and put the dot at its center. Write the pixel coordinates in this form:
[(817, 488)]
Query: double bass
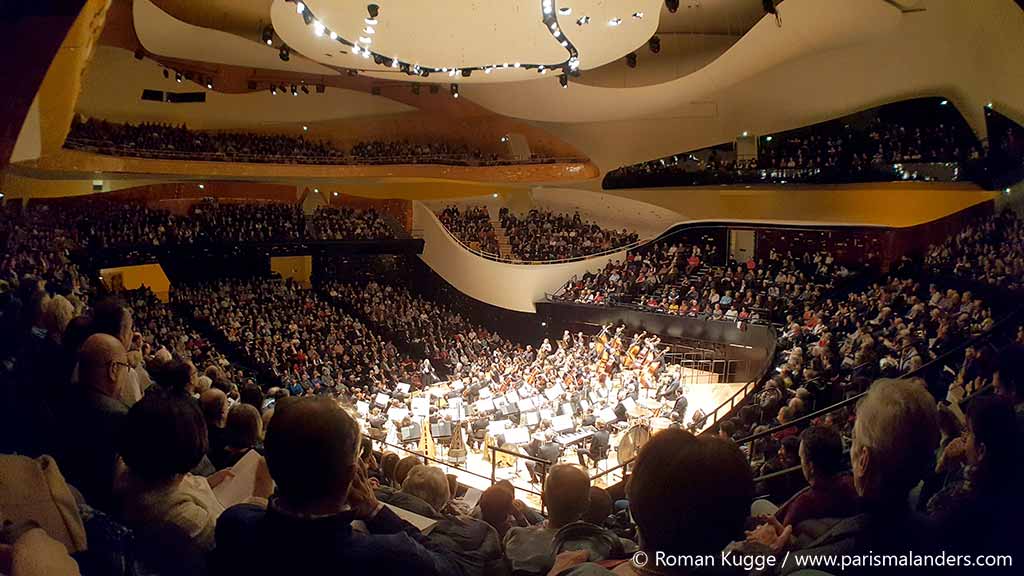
[(633, 350)]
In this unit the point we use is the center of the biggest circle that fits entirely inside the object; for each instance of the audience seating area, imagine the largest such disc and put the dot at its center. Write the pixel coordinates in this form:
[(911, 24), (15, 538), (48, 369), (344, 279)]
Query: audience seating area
[(148, 468), (167, 142), (893, 142)]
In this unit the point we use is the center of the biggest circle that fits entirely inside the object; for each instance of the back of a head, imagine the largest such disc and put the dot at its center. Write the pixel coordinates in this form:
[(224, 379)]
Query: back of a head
[(1010, 369), (388, 462), (993, 424), (689, 494), (495, 504), (163, 435), (311, 448), (428, 483), (95, 359), (897, 421), (173, 376), (244, 426), (404, 466), (822, 448), (110, 316), (57, 313), (600, 507), (76, 332), (252, 395), (566, 494), (213, 402)]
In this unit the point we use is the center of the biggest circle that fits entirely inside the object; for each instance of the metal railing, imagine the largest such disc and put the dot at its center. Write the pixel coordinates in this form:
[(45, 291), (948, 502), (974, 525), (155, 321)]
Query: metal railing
[(110, 149)]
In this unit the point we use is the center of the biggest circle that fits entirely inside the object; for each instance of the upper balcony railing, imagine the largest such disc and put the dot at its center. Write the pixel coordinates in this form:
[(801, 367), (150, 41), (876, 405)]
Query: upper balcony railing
[(111, 149)]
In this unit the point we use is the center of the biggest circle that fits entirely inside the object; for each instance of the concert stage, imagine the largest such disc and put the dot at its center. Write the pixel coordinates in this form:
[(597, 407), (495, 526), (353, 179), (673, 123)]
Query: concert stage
[(704, 394)]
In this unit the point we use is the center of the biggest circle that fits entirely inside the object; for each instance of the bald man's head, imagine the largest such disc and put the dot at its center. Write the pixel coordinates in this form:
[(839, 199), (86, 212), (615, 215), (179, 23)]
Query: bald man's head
[(103, 364), (214, 403), (311, 448), (566, 494)]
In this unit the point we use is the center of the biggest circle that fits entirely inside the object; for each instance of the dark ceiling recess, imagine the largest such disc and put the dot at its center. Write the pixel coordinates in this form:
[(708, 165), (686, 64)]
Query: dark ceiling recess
[(174, 97)]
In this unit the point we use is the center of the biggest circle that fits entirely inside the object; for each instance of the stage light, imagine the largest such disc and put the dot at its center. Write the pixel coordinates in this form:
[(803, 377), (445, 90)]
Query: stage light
[(565, 11), (615, 21), (202, 187), (283, 54), (273, 90), (451, 73), (564, 43), (638, 15), (563, 80), (334, 35), (547, 7), (745, 133), (209, 84), (543, 324), (369, 30), (295, 91), (672, 5), (378, 59), (316, 190), (305, 128), (487, 70), (166, 73), (307, 17), (335, 192), (365, 40), (631, 59), (395, 63), (366, 54), (768, 139), (583, 20), (373, 10), (356, 49), (305, 90), (268, 36), (318, 28), (370, 21), (177, 77), (654, 44), (988, 105), (944, 102), (455, 90), (516, 65), (1006, 190), (300, 7)]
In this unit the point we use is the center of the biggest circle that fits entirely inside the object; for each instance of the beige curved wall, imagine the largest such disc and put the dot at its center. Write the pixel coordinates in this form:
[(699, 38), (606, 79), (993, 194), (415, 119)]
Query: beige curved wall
[(511, 286)]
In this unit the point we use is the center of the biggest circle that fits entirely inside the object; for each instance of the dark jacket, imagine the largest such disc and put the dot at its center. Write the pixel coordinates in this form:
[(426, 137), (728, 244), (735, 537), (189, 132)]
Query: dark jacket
[(88, 441), (256, 541), (475, 542)]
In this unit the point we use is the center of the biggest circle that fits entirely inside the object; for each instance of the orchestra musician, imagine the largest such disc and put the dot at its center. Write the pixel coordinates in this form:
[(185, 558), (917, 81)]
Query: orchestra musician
[(600, 443), (542, 446)]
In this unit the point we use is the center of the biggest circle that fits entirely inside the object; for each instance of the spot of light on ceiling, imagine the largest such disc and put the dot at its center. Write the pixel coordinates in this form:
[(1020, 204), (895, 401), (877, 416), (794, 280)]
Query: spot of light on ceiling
[(615, 21), (335, 192), (316, 190), (638, 15), (944, 102), (496, 194), (202, 187), (565, 11), (745, 134)]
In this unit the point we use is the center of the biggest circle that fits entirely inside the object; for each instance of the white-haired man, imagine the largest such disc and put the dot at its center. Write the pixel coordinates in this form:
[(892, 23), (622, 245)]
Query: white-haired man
[(894, 441)]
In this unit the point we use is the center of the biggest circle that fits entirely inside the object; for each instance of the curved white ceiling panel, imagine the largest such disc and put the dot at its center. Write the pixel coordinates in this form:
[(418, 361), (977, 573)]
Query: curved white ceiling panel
[(808, 27), (459, 34), (165, 35)]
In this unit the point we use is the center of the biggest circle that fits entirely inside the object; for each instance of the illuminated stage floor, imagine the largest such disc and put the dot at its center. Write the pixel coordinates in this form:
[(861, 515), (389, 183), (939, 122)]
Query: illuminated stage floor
[(476, 473)]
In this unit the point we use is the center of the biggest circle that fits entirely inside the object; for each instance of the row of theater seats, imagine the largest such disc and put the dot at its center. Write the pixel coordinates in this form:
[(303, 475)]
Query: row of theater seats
[(165, 141), (171, 444)]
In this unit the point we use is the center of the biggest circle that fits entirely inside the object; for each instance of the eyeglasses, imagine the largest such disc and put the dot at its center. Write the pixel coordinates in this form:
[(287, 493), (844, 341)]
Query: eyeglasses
[(118, 363)]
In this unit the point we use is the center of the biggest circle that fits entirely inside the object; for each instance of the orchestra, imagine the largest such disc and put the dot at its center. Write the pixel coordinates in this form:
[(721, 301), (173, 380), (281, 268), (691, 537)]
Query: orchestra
[(570, 394)]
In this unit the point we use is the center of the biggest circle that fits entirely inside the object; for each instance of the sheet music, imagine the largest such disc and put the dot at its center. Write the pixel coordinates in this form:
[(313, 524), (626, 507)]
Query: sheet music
[(403, 387), (607, 415), (422, 523), (362, 407), (421, 406), (518, 435), (397, 414), (562, 423), (628, 403), (498, 426), (484, 405), (239, 488), (382, 399)]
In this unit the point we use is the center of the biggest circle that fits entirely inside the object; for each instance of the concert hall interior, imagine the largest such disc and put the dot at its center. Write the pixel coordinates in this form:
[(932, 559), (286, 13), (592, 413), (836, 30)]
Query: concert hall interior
[(511, 287)]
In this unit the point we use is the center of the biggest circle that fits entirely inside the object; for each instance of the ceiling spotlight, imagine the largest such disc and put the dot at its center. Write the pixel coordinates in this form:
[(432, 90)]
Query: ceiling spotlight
[(583, 20), (455, 90), (202, 187), (209, 84), (543, 70), (316, 190), (672, 5), (305, 90), (295, 91), (563, 80), (565, 11), (177, 77), (318, 28), (334, 35), (373, 10), (335, 192), (988, 105), (284, 53), (516, 65), (273, 90), (366, 53), (615, 21), (370, 21), (451, 73), (654, 44), (574, 63), (564, 43), (944, 102), (547, 7), (268, 36), (395, 63), (166, 73), (356, 49), (768, 139), (466, 72), (488, 70), (300, 7), (745, 134), (638, 15), (631, 59), (424, 72), (366, 40), (369, 30), (305, 128), (503, 139)]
